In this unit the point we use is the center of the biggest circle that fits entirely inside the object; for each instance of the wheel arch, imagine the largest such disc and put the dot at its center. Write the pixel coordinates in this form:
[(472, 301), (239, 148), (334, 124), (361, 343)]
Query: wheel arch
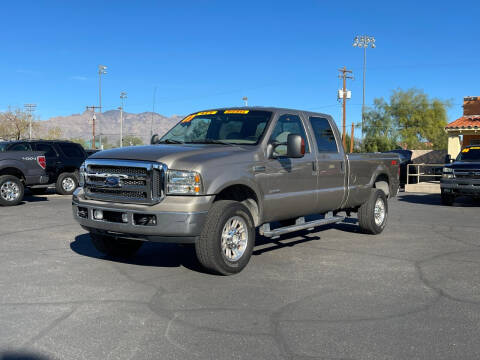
[(14, 172), (243, 194)]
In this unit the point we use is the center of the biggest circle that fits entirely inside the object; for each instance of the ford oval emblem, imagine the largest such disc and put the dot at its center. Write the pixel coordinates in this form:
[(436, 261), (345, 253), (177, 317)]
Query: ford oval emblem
[(113, 181)]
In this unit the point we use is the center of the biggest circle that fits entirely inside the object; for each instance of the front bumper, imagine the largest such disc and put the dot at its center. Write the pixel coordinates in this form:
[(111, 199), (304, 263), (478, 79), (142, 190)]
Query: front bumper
[(178, 219), (462, 186)]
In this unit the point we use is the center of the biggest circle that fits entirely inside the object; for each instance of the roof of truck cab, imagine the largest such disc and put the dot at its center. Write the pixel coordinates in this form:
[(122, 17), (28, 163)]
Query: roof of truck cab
[(266, 108)]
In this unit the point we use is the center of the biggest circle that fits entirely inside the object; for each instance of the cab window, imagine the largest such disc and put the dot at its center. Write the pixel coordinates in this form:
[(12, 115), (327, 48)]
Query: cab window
[(323, 134), (287, 124), (20, 147), (48, 149)]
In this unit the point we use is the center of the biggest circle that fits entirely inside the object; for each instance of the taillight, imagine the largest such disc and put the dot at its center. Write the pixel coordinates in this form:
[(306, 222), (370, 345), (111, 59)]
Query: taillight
[(42, 162)]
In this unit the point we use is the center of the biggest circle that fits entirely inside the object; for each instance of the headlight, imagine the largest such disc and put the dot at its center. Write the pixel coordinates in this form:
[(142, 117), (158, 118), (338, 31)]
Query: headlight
[(81, 175), (447, 173), (181, 182)]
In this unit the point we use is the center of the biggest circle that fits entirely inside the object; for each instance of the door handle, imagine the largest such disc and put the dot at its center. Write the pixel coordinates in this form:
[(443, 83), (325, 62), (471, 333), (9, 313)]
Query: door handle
[(314, 166)]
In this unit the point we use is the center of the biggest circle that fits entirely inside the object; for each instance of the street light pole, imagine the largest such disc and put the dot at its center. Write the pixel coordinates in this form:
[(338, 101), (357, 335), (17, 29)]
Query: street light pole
[(123, 96), (102, 69), (364, 41), (245, 98)]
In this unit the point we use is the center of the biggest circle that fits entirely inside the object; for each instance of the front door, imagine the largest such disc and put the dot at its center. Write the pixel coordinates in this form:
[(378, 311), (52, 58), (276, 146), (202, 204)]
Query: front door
[(288, 185)]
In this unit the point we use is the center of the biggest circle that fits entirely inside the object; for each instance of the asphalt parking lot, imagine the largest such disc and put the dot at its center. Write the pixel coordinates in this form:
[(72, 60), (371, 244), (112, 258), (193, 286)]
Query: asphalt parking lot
[(412, 292)]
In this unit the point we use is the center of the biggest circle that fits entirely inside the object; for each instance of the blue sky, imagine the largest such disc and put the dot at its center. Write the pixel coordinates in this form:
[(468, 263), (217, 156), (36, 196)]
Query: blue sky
[(204, 54)]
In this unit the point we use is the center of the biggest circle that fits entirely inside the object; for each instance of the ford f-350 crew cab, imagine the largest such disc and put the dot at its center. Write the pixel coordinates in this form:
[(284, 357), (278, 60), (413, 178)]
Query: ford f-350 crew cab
[(219, 175)]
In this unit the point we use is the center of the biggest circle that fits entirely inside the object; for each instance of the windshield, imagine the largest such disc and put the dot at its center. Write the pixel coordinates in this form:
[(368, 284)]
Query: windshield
[(242, 127), (470, 154), (3, 146)]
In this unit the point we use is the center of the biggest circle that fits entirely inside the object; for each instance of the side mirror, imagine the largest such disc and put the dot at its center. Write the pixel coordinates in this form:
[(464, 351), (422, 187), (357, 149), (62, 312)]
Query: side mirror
[(295, 146), (154, 139), (448, 159)]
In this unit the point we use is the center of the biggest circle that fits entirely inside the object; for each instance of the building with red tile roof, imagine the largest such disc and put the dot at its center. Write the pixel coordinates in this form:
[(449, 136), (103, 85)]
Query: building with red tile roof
[(466, 129)]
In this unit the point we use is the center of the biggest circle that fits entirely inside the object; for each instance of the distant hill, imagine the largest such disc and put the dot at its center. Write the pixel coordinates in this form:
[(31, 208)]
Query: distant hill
[(108, 124)]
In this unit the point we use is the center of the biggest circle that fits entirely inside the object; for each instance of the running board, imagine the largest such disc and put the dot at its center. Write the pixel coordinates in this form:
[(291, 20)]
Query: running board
[(299, 225)]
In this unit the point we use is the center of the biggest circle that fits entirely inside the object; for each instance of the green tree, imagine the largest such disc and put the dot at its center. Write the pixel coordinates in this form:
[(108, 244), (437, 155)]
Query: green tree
[(410, 118), (130, 140), (80, 141), (14, 124), (380, 129)]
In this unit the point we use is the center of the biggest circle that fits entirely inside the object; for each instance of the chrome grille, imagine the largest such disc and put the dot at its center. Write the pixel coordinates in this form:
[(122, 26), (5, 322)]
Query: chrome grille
[(467, 174), (124, 181)]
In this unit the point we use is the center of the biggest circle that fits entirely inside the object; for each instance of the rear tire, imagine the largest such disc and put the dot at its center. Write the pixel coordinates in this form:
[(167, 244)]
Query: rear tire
[(11, 190), (226, 243), (117, 247), (373, 214), (66, 183), (447, 199)]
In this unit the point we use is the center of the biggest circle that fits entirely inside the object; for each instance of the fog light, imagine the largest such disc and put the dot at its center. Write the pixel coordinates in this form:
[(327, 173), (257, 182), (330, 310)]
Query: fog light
[(98, 214), (125, 218)]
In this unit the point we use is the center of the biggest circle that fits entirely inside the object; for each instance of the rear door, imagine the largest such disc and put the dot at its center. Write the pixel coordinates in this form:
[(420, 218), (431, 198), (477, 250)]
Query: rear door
[(53, 159), (288, 184), (330, 164)]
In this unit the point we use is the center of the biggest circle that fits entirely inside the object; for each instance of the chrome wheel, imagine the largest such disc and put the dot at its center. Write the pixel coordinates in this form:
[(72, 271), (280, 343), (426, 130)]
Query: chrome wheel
[(234, 238), (68, 184), (379, 212), (10, 191)]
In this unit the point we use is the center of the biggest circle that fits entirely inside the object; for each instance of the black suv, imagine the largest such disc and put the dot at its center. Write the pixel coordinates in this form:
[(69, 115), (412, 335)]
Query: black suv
[(63, 161)]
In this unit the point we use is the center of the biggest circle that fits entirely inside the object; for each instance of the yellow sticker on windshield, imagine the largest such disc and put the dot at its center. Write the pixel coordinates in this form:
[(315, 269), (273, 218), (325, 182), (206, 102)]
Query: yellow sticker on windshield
[(475, 148), (236, 111), (465, 150), (190, 117)]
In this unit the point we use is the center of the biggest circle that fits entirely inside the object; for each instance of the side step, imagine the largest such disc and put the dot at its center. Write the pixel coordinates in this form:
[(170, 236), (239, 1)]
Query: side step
[(299, 225)]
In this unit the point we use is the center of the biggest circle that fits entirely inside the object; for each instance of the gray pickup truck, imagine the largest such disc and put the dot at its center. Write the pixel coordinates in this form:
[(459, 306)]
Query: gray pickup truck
[(462, 177), (219, 175), (19, 168)]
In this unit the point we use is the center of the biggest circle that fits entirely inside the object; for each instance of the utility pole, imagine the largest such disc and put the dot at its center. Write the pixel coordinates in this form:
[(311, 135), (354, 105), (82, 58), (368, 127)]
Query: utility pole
[(153, 110), (245, 98), (93, 107), (30, 108), (344, 94), (352, 138), (123, 96)]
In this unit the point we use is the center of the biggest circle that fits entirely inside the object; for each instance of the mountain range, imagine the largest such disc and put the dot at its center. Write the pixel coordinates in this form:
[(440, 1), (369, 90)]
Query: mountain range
[(108, 125)]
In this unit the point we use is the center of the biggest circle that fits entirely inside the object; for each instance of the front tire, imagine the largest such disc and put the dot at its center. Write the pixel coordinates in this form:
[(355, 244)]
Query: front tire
[(11, 190), (226, 243), (373, 214), (116, 247), (66, 183), (447, 199)]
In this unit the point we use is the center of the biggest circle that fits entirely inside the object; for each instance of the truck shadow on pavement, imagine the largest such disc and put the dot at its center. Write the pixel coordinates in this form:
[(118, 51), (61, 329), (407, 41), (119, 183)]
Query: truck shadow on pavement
[(174, 255), (19, 355), (300, 237), (434, 199), (150, 254)]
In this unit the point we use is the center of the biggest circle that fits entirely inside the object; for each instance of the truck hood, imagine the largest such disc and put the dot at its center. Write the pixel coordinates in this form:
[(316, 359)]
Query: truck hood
[(467, 165), (179, 156)]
